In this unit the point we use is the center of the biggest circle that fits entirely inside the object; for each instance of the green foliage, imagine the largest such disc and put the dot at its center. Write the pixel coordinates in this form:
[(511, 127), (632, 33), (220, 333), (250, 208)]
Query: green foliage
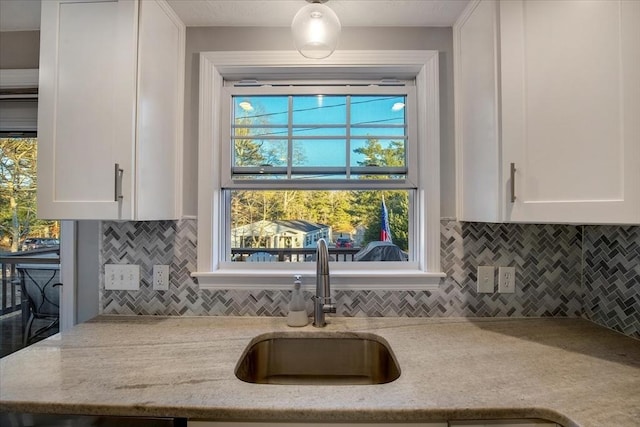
[(398, 208), (18, 158), (377, 155), (369, 204)]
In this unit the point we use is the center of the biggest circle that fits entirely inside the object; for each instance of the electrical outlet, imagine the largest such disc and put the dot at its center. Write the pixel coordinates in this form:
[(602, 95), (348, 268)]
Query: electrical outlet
[(486, 279), (160, 277), (507, 280), (122, 277)]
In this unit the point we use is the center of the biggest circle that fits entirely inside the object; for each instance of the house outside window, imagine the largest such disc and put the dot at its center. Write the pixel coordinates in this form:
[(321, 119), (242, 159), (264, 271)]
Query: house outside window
[(287, 161)]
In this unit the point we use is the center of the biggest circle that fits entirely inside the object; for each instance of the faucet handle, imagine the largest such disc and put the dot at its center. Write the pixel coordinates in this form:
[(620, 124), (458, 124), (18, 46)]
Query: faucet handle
[(329, 308)]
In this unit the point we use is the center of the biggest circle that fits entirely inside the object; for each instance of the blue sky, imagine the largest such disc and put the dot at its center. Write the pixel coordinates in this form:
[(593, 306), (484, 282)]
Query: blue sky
[(370, 112)]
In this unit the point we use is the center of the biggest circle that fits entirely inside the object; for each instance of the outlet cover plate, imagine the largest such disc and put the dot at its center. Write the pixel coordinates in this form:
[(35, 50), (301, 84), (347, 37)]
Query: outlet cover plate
[(160, 277), (506, 280), (122, 277)]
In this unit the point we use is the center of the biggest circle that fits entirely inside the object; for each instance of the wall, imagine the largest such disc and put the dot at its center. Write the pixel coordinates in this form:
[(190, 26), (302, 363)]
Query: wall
[(87, 268), (203, 39), (550, 279), (612, 277), (19, 49)]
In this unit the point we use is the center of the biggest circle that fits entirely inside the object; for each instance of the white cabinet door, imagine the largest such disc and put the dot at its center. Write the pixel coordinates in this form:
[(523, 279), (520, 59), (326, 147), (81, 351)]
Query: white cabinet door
[(79, 128), (160, 106), (476, 68), (554, 89), (111, 93), (571, 109)]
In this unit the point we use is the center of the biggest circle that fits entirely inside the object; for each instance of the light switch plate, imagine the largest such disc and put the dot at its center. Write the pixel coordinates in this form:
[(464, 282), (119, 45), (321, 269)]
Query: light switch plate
[(121, 277), (486, 280), (506, 280)]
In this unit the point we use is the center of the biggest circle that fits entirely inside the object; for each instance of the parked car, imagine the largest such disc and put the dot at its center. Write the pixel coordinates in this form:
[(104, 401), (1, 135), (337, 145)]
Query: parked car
[(344, 242), (381, 251), (38, 242)]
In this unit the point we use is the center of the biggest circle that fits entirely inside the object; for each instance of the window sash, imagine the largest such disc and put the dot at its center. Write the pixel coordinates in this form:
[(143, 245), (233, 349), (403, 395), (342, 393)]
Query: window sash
[(413, 248), (285, 177)]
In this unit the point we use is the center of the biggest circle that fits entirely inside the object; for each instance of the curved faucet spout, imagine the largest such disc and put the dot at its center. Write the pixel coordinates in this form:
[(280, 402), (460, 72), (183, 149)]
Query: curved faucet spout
[(322, 298)]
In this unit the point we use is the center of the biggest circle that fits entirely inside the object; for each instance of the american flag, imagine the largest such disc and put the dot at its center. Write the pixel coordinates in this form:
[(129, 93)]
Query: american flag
[(385, 231)]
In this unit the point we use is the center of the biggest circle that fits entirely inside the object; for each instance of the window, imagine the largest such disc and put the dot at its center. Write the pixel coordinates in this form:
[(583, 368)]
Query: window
[(316, 154), (308, 162), (20, 229)]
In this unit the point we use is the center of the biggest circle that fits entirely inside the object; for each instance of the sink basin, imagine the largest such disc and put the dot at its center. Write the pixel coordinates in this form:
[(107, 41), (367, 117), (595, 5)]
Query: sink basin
[(318, 358)]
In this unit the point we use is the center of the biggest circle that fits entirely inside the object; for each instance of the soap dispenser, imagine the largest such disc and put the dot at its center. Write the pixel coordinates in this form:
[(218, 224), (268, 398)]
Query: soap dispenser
[(297, 311)]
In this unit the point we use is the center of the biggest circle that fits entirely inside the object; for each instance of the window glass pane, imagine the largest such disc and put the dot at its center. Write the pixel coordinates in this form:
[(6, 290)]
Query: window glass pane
[(314, 131), (258, 152), (377, 110), (319, 109), (242, 131), (377, 152), (319, 152), (279, 225), (379, 131), (260, 110)]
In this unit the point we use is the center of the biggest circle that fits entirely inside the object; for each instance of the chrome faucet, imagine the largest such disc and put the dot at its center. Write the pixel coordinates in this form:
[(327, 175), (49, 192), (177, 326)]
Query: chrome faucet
[(322, 299)]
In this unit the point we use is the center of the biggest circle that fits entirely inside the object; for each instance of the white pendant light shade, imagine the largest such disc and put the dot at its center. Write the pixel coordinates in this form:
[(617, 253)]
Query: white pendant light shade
[(315, 30)]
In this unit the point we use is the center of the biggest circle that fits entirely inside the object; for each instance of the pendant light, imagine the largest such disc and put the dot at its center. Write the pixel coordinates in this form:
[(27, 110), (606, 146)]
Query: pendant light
[(315, 30)]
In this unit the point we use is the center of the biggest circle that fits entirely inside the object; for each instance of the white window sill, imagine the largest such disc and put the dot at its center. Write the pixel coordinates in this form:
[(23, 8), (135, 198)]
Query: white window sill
[(378, 276)]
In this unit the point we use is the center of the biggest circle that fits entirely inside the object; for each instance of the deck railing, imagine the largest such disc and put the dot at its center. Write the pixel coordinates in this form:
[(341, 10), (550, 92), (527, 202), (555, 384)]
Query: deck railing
[(294, 254), (10, 296)]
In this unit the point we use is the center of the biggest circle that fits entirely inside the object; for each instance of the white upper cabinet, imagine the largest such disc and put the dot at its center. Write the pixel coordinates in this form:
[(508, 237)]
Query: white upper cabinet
[(111, 93), (552, 88)]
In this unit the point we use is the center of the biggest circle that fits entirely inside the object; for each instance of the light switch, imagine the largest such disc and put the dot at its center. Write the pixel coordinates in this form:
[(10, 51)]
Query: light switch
[(121, 277), (486, 280)]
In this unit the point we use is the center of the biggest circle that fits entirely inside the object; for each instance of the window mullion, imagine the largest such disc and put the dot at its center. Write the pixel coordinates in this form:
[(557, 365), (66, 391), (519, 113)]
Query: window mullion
[(348, 136), (290, 137)]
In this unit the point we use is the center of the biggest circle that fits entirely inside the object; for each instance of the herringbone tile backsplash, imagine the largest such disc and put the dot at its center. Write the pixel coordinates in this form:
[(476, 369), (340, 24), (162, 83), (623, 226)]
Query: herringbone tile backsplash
[(548, 261), (612, 277)]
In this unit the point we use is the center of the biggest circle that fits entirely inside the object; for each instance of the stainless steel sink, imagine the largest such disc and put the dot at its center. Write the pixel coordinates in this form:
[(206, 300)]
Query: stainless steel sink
[(318, 358)]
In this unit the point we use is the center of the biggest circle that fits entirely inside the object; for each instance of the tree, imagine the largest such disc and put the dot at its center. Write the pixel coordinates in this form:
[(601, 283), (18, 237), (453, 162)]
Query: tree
[(17, 188), (397, 202), (368, 203), (377, 155)]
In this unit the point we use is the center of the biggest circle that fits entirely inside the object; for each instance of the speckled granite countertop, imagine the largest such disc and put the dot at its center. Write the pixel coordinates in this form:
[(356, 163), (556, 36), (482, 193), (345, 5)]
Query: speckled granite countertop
[(565, 370)]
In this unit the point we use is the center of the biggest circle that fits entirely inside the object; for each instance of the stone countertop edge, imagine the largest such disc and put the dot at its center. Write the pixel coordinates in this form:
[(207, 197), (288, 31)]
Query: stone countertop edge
[(565, 370)]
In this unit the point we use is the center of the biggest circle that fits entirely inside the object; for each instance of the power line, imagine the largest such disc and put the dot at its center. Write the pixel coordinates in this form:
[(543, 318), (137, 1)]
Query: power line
[(318, 107), (314, 128)]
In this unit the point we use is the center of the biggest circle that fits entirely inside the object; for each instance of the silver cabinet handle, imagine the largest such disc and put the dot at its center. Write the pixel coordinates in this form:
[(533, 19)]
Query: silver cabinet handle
[(118, 183), (513, 182)]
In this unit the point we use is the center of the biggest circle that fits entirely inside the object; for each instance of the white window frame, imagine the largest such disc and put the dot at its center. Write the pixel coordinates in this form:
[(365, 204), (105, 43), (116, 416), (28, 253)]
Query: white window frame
[(423, 274)]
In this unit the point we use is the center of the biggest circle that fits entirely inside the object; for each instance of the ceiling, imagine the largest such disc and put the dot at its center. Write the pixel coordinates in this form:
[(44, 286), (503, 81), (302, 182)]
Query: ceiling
[(22, 15)]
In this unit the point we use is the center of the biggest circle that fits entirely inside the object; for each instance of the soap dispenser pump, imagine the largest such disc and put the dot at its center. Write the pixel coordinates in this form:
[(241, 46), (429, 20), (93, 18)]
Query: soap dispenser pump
[(297, 311)]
